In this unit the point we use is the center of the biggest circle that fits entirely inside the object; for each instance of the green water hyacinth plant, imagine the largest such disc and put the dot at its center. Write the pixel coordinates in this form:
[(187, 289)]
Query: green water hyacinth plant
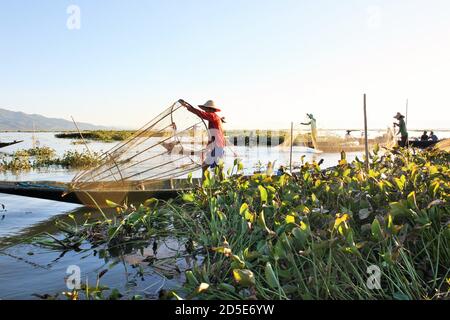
[(316, 233), (313, 234)]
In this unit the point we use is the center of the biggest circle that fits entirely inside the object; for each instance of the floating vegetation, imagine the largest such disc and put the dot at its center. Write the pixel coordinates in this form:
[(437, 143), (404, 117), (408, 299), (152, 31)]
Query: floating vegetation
[(78, 142), (338, 233), (97, 135), (76, 159), (40, 152), (19, 161), (40, 157)]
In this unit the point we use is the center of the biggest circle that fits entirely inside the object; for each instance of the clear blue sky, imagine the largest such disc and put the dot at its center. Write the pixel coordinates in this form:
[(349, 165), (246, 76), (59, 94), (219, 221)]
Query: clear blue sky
[(265, 62)]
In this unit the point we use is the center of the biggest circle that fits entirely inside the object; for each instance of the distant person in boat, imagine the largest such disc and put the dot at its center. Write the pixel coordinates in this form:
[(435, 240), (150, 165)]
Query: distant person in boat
[(313, 124), (216, 144), (401, 129), (433, 137), (424, 136), (348, 135)]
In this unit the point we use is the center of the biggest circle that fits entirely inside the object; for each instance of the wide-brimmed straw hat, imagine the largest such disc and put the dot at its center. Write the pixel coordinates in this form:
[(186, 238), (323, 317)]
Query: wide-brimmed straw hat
[(209, 105), (398, 116)]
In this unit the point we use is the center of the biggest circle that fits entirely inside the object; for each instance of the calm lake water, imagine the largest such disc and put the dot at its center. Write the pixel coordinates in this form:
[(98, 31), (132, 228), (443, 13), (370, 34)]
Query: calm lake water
[(27, 269)]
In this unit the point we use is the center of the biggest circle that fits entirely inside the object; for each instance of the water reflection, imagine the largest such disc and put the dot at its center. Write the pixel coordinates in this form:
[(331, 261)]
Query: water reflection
[(141, 268)]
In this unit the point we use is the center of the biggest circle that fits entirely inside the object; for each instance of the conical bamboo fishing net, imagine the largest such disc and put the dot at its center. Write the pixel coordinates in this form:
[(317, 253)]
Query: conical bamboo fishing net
[(170, 146), (325, 141)]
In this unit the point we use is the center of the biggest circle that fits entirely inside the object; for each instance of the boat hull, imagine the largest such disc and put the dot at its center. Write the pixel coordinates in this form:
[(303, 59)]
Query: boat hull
[(422, 144), (92, 198), (7, 144)]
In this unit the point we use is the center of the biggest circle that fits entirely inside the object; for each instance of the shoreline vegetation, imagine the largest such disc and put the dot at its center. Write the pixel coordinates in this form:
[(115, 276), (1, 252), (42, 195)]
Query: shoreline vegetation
[(97, 135), (338, 233), (235, 137), (328, 141)]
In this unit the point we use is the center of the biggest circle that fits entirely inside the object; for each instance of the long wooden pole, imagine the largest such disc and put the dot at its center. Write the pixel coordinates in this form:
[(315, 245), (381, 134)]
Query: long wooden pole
[(292, 144), (81, 135), (407, 104), (366, 140)]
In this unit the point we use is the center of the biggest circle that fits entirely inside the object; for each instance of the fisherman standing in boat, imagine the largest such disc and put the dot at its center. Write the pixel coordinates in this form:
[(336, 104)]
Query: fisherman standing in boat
[(216, 144), (401, 129), (313, 124)]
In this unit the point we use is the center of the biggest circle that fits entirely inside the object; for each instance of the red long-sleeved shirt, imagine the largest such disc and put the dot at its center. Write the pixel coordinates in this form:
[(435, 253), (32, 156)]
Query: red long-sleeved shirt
[(214, 122)]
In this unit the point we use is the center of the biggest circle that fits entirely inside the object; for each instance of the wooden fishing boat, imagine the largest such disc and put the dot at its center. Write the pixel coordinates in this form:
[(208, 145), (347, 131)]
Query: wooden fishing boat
[(351, 145), (7, 144), (96, 194), (422, 144)]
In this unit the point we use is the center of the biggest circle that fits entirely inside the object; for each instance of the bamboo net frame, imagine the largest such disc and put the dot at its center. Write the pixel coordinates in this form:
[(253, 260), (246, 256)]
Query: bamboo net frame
[(171, 145)]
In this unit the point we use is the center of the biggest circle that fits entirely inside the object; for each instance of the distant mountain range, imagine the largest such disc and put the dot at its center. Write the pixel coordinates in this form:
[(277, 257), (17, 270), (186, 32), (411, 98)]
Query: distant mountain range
[(19, 121)]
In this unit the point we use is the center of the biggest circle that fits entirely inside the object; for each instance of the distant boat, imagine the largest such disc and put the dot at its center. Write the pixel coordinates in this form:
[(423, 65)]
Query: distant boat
[(422, 144), (7, 144)]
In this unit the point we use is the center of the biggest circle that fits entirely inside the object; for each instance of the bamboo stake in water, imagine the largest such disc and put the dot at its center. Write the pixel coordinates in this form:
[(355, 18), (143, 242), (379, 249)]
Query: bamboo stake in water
[(365, 133), (407, 103), (292, 143), (81, 135)]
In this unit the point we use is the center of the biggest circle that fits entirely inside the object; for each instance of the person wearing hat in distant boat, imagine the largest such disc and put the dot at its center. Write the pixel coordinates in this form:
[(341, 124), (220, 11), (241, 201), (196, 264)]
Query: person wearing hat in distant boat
[(217, 142), (401, 129)]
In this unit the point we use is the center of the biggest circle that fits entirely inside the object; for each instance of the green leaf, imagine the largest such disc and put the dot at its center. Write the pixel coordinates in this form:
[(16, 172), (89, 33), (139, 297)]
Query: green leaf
[(400, 296), (400, 182), (377, 233), (115, 295), (302, 233), (262, 223), (191, 279), (249, 216), (346, 172), (271, 277), (112, 204), (227, 287), (412, 200), (188, 197), (290, 219), (150, 202), (244, 277), (376, 149), (263, 194), (243, 209), (237, 262), (399, 209)]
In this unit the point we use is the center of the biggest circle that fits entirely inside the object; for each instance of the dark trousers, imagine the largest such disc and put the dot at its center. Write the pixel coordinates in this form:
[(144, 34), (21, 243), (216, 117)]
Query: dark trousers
[(403, 142)]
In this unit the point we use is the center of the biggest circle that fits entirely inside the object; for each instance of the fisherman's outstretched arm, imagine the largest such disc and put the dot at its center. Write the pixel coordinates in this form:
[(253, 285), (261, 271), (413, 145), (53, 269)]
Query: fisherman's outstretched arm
[(201, 114)]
